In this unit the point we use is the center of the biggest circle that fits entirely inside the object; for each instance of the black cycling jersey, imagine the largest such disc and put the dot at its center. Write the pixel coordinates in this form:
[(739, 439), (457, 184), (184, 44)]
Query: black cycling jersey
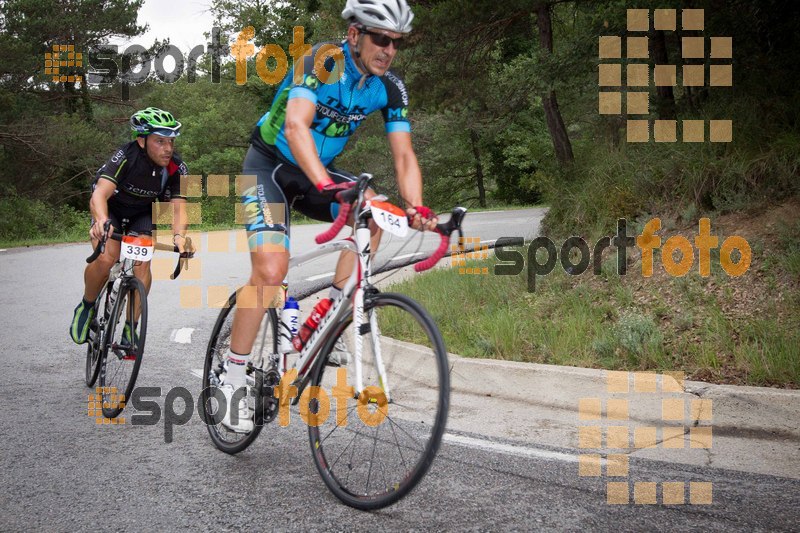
[(139, 180)]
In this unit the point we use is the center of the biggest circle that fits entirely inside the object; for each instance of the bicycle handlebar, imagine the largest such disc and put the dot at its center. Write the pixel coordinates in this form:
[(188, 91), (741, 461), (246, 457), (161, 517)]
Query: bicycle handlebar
[(348, 197), (444, 230), (158, 246)]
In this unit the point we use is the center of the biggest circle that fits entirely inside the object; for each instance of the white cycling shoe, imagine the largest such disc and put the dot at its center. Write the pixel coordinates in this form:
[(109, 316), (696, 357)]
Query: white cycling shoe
[(244, 420), (340, 355)]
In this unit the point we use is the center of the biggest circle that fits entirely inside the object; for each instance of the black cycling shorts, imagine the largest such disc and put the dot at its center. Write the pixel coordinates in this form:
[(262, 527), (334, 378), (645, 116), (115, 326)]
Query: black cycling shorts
[(279, 187)]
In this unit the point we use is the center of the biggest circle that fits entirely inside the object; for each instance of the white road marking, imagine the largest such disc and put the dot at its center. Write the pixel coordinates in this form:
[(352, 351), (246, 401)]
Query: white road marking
[(482, 444), (3, 250), (406, 256), (522, 451), (182, 336), (320, 276)]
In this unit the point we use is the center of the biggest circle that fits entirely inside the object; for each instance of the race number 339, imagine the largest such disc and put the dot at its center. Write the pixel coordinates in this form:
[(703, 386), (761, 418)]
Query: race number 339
[(139, 248)]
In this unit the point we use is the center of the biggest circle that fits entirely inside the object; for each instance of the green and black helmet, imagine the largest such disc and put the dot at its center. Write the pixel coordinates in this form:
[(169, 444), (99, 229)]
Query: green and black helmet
[(154, 120)]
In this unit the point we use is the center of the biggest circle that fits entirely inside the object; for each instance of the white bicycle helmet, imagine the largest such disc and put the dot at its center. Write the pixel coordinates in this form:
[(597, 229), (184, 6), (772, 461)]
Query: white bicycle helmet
[(392, 15)]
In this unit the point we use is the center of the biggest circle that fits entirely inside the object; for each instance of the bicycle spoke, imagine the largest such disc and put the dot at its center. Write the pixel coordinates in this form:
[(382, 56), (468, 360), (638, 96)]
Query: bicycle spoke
[(350, 465), (358, 433), (337, 426), (381, 463), (412, 437), (408, 407), (372, 459), (224, 438), (343, 450), (399, 449)]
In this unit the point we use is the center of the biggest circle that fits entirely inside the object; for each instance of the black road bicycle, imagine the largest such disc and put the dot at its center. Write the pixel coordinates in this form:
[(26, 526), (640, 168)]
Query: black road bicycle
[(118, 332)]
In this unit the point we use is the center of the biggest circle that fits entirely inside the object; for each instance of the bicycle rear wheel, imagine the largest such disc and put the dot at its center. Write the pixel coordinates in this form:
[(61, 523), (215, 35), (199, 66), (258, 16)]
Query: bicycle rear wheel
[(123, 347), (96, 335), (383, 447), (265, 345)]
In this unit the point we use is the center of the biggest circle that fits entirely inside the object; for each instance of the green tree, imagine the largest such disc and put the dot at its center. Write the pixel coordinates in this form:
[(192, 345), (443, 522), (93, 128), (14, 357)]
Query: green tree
[(48, 143)]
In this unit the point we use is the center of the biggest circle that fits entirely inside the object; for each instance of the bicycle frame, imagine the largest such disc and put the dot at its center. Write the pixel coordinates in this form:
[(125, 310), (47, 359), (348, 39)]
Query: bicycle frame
[(352, 297), (122, 270), (350, 300)]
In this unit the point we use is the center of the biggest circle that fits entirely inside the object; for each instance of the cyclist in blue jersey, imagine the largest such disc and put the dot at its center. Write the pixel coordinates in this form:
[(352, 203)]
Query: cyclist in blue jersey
[(125, 187), (291, 152)]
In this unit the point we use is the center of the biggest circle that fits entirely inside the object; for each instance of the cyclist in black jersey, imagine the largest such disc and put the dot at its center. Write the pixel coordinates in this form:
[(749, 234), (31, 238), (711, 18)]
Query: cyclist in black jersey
[(140, 173), (291, 151)]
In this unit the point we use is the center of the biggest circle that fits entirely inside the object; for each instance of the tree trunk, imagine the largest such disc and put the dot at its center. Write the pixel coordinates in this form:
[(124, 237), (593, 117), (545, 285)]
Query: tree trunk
[(558, 131), (478, 168), (665, 99), (70, 99), (555, 123)]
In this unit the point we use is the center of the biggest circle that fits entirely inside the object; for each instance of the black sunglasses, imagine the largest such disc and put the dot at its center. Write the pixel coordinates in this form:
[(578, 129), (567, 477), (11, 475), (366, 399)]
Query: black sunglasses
[(381, 40)]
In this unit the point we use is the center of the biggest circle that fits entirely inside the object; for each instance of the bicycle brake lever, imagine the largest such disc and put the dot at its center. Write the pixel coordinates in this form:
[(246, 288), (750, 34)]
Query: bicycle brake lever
[(106, 227), (368, 179)]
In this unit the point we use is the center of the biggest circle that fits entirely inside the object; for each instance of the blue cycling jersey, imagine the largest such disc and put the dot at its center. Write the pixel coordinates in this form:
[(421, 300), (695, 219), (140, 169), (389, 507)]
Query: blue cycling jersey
[(341, 105)]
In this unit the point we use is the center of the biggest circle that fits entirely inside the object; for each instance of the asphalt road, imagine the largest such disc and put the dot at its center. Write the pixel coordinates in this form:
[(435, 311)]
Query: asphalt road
[(62, 472)]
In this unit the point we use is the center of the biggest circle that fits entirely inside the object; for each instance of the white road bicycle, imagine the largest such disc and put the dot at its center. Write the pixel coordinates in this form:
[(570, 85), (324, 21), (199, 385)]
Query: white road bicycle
[(374, 426)]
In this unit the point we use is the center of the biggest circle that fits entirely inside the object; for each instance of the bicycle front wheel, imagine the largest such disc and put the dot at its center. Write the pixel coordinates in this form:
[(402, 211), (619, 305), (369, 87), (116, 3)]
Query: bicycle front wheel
[(96, 335), (123, 347), (375, 450)]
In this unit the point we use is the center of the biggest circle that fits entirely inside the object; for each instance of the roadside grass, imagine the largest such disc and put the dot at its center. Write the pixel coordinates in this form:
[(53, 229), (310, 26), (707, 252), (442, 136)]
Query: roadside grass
[(28, 222), (80, 233), (606, 184), (492, 207), (617, 322), (73, 234), (75, 228), (789, 244)]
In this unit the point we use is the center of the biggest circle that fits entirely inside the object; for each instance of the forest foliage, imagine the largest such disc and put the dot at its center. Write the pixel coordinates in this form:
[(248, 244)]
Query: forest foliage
[(504, 106)]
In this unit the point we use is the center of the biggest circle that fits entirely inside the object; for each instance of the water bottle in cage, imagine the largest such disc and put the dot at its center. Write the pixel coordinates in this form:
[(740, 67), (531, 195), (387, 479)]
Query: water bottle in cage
[(113, 289), (311, 323)]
